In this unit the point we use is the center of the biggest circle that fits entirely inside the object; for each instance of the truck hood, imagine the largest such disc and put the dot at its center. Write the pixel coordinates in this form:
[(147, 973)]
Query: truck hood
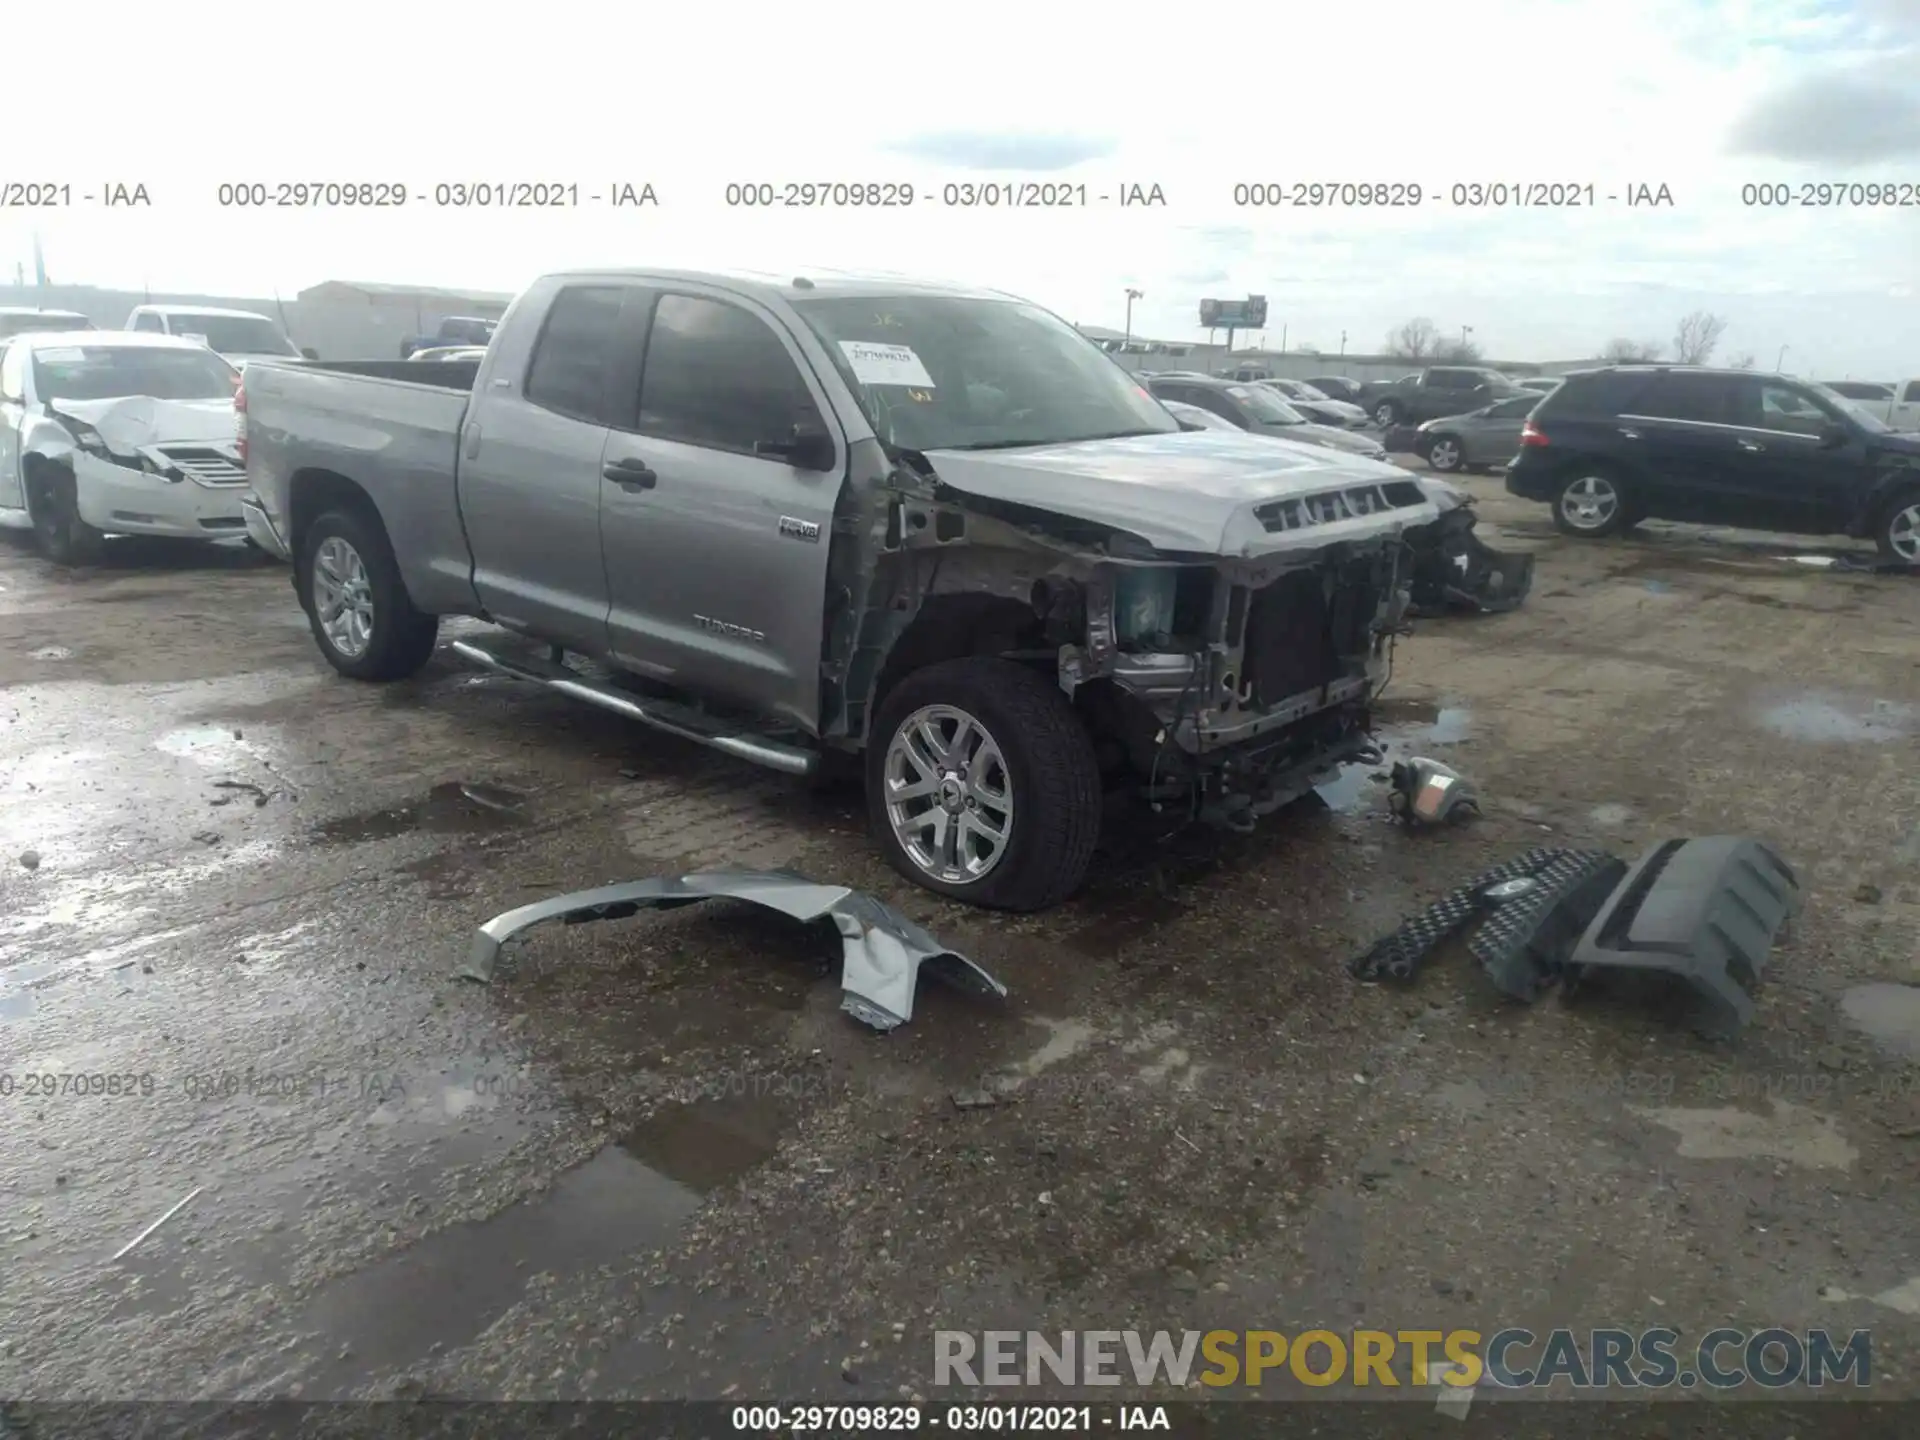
[(1196, 490), (131, 421)]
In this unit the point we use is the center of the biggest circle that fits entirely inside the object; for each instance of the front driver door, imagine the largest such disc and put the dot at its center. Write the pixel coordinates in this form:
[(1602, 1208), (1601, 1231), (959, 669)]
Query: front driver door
[(1794, 477), (715, 551)]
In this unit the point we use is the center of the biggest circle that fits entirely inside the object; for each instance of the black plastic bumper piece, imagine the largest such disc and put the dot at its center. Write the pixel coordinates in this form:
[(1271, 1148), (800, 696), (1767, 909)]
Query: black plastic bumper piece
[(1454, 570), (1705, 910), (1525, 942)]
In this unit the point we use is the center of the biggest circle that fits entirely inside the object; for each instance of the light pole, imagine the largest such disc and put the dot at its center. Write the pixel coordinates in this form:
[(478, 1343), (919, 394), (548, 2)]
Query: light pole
[(1781, 359), (1132, 295), (1343, 344), (1465, 331)]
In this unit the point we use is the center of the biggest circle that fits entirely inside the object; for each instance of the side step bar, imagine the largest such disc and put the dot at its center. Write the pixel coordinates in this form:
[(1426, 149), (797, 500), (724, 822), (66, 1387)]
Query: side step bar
[(660, 714)]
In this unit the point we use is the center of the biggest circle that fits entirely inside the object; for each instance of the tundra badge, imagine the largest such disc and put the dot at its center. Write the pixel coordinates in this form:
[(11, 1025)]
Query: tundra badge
[(730, 630), (797, 529)]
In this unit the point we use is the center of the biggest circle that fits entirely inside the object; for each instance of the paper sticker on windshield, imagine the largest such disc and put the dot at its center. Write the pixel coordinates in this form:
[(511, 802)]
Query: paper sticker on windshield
[(885, 364), (61, 356)]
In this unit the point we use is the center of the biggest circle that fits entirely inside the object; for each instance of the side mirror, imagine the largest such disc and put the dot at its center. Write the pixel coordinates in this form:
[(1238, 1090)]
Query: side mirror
[(1191, 425), (804, 448), (307, 352), (1832, 437)]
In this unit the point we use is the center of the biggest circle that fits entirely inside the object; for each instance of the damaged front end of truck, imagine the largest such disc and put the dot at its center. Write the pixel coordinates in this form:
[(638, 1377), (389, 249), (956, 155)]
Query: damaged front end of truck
[(1222, 654)]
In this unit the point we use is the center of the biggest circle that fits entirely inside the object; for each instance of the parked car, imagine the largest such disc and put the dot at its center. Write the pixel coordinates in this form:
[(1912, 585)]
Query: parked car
[(1338, 387), (1541, 383), (237, 335), (1897, 404), (455, 330), (1478, 440), (1729, 447), (1437, 391), (103, 433), (1254, 407), (1319, 408), (835, 518), (19, 320)]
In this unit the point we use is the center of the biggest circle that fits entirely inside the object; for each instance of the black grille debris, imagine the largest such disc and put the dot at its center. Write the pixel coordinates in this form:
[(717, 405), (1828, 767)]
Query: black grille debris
[(1353, 502)]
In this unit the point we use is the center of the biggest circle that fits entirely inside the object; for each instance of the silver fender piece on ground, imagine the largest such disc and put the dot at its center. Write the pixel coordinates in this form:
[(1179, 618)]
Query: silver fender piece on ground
[(882, 950)]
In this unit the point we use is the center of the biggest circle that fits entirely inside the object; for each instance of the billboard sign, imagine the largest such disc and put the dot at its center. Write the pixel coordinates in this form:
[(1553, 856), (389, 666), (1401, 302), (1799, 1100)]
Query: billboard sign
[(1247, 314)]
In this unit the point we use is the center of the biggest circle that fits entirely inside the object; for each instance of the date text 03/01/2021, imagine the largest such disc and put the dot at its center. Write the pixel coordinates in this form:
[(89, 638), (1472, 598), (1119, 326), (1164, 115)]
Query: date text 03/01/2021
[(962, 1419)]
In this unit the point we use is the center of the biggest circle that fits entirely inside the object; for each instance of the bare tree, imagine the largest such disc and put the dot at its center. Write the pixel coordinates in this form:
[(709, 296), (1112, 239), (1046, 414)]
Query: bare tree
[(1742, 362), (1458, 352), (1622, 351), (1697, 336), (1418, 339)]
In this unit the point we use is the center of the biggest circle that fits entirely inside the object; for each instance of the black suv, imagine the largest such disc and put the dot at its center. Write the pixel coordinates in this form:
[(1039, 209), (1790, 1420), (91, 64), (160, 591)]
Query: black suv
[(1615, 446)]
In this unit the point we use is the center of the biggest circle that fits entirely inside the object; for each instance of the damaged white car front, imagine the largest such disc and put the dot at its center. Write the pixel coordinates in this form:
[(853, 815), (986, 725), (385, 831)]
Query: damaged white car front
[(119, 435)]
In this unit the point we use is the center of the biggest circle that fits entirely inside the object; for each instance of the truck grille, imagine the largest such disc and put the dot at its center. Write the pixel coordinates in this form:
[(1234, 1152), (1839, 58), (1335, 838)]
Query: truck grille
[(1304, 627), (214, 465), (1305, 511)]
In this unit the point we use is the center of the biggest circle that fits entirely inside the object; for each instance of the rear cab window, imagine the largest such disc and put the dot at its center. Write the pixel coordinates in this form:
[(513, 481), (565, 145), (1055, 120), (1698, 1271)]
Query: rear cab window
[(576, 357)]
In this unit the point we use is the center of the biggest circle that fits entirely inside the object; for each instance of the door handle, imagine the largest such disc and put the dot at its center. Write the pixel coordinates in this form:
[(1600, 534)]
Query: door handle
[(1753, 445), (630, 474)]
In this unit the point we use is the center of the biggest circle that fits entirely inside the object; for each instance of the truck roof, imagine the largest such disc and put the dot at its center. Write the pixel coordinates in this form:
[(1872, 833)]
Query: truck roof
[(798, 284), (36, 310), (203, 310)]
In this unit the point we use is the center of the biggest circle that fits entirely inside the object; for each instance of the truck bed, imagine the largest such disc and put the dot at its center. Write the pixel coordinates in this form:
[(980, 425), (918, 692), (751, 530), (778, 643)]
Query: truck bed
[(435, 374)]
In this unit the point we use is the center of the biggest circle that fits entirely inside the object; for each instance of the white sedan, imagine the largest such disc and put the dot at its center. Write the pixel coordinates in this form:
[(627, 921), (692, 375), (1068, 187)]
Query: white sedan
[(115, 433)]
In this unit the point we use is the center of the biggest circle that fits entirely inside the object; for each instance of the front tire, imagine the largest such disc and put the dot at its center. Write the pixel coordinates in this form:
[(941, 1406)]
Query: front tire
[(357, 606), (1386, 414), (982, 785), (1898, 532), (1592, 505), (62, 535), (1446, 454)]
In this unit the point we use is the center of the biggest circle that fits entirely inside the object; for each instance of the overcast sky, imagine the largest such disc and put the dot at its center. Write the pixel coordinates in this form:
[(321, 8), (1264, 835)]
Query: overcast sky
[(1702, 96)]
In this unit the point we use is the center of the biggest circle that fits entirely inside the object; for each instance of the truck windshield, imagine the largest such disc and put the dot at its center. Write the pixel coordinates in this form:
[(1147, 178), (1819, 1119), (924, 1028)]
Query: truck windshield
[(936, 372), (233, 334), (104, 372)]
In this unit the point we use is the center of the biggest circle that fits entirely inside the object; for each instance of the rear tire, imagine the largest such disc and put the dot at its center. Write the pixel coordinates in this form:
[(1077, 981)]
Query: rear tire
[(1897, 532), (62, 535), (357, 606), (1386, 414), (1592, 504), (1019, 759)]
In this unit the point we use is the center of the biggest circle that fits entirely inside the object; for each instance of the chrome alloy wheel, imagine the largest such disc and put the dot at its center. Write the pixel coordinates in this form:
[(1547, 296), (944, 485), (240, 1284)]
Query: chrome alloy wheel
[(1903, 534), (949, 797), (1444, 455), (1589, 502), (342, 598)]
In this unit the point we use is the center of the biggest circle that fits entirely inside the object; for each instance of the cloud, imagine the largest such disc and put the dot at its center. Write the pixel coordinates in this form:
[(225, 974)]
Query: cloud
[(987, 150), (1842, 117)]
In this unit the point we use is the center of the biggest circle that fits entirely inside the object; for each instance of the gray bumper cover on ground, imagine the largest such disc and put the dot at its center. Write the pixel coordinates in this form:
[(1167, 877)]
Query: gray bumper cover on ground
[(883, 951)]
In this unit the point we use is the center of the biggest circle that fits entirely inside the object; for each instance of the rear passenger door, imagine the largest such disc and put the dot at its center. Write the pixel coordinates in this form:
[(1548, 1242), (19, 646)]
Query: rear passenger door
[(716, 549), (1679, 436), (530, 463)]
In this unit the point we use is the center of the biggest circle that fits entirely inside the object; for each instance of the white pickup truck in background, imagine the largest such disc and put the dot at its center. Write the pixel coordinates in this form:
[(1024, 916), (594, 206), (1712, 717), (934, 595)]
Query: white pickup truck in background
[(1898, 404)]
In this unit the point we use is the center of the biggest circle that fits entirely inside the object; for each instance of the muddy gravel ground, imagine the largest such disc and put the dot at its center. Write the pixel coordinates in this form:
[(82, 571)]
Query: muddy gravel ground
[(654, 1159)]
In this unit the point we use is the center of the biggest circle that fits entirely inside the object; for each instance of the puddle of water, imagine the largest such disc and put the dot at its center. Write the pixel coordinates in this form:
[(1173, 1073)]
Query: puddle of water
[(53, 652), (16, 993), (454, 808), (1657, 587), (1838, 719), (1793, 1134), (1403, 728), (704, 1145), (1887, 1014), (453, 1284)]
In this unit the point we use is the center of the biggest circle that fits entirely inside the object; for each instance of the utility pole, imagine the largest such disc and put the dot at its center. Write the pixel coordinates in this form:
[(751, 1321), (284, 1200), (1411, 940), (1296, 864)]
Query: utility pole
[(1343, 344), (1465, 330), (1283, 339), (1781, 359), (1132, 295)]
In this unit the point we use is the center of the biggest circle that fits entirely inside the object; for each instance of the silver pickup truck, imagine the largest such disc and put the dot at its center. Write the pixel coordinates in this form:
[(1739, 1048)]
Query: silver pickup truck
[(811, 519)]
